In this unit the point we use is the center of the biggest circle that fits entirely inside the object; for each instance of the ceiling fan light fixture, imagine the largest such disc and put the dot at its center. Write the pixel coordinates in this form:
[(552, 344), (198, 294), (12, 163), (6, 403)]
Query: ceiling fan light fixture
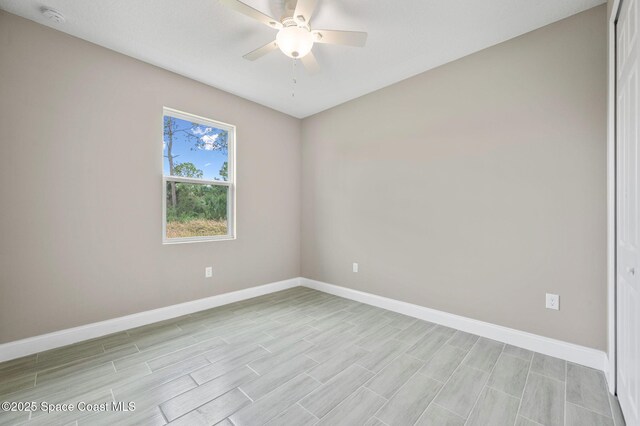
[(294, 41)]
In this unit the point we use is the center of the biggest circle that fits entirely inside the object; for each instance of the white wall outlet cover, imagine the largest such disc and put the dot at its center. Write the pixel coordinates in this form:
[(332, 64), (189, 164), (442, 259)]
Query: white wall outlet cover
[(552, 301), (355, 267), (208, 272)]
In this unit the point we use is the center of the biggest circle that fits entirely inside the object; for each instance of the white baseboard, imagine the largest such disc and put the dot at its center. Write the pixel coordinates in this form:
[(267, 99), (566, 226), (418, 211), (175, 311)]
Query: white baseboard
[(609, 377), (31, 345), (575, 353), (568, 351)]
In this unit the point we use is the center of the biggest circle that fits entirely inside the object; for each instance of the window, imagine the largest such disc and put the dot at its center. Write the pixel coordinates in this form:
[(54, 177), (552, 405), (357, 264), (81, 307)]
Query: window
[(198, 178)]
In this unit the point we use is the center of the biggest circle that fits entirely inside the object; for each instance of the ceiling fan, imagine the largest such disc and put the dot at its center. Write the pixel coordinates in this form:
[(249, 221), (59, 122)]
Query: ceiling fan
[(295, 37)]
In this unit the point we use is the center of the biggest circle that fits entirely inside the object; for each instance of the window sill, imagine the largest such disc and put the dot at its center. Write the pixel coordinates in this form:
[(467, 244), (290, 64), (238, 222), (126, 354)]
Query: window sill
[(197, 240)]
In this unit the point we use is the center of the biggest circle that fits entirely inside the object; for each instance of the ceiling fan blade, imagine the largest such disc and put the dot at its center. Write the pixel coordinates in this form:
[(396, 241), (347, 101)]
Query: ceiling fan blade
[(310, 63), (348, 38), (247, 10), (261, 51), (304, 10)]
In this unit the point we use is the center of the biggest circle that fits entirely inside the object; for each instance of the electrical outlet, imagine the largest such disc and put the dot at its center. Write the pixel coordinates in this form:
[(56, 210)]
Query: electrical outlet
[(553, 301), (355, 267), (208, 272)]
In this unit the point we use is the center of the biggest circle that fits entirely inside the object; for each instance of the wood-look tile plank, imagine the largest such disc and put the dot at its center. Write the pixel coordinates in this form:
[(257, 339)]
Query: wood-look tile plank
[(128, 389), (415, 332), (326, 308), (518, 352), (155, 396), (19, 365), (368, 314), (330, 394), (442, 365), (267, 408), (522, 421), (549, 366), (484, 354), (84, 364), (580, 416), (494, 408), (294, 415), (294, 319), (355, 410), (102, 396), (114, 340), (588, 388), (157, 351), (77, 386), (277, 376), (12, 418), (399, 320), (150, 339), (447, 331), (214, 411), (325, 335), (269, 362), (225, 328), (190, 400), (374, 421), (11, 385), (509, 375), (462, 390), (213, 345), (337, 363), (284, 340), (72, 382), (427, 346), (331, 320), (436, 415), (377, 359), (618, 418), (463, 340), (326, 350), (394, 375), (234, 351), (147, 417), (377, 338), (371, 326), (543, 400), (68, 353), (250, 335), (408, 404), (225, 365)]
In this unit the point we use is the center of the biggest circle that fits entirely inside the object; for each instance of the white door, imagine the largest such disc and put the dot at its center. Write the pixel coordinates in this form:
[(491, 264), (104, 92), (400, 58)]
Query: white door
[(627, 214)]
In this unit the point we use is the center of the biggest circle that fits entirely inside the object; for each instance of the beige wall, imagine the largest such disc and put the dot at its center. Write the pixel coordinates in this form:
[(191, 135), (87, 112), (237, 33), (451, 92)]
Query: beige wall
[(473, 188), (81, 167)]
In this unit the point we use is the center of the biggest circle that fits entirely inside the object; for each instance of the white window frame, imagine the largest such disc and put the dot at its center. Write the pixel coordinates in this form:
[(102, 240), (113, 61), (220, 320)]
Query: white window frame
[(230, 183)]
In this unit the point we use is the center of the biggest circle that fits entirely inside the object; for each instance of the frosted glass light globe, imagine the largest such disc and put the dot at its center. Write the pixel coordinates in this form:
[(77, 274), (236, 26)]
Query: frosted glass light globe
[(295, 42)]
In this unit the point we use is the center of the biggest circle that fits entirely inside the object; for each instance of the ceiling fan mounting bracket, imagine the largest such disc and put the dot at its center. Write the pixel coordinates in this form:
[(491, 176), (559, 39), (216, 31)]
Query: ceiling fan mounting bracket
[(292, 22)]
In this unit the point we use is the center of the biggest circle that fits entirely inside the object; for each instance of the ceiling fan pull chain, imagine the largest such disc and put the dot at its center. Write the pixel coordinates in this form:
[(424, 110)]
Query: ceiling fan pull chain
[(294, 80)]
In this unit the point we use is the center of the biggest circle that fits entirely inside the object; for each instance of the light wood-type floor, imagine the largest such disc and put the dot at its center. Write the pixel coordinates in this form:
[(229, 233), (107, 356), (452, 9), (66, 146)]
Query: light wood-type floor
[(302, 357)]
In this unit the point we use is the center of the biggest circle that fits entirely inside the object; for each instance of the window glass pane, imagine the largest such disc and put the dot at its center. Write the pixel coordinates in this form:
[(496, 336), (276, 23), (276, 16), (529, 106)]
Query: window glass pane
[(194, 150), (196, 210)]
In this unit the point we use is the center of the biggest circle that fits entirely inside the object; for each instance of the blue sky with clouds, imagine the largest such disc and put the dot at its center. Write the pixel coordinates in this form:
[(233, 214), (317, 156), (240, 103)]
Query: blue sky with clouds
[(196, 145)]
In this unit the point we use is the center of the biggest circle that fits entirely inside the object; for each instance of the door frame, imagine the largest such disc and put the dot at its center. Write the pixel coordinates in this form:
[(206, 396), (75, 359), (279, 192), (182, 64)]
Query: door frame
[(610, 368)]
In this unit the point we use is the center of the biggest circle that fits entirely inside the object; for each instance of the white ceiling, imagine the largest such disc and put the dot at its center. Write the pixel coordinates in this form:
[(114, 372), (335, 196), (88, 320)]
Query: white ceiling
[(205, 41)]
